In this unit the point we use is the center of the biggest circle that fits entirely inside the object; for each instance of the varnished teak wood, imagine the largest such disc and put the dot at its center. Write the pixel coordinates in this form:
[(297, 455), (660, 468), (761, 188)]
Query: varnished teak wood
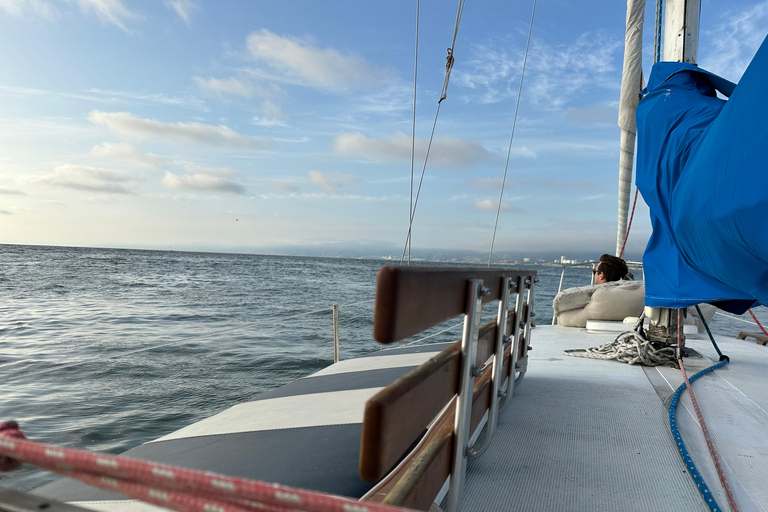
[(411, 299)]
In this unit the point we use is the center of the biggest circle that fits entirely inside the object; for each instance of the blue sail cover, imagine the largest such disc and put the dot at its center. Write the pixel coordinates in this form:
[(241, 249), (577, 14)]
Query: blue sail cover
[(702, 168)]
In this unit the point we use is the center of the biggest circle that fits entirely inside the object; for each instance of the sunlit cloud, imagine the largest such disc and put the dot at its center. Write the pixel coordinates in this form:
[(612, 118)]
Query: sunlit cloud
[(90, 179), (445, 151), (300, 59), (108, 11), (123, 151), (128, 124), (198, 178), (29, 8), (184, 8), (331, 182), (492, 205)]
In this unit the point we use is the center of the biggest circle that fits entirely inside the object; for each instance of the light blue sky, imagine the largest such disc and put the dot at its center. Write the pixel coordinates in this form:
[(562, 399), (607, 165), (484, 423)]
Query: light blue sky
[(236, 125)]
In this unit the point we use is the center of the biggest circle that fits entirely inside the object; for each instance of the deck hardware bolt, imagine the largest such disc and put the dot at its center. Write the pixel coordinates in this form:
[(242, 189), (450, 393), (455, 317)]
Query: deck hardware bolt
[(535, 279), (518, 366), (533, 314), (477, 372), (527, 280), (522, 324), (485, 291), (470, 452), (530, 348), (507, 339), (502, 394)]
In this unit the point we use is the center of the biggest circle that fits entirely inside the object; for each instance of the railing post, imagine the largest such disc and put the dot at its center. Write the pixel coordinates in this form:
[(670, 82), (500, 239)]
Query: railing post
[(515, 350), (335, 333), (497, 370), (462, 423)]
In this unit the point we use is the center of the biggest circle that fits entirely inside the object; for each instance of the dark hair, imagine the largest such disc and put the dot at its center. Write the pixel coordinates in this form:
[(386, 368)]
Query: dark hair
[(612, 267)]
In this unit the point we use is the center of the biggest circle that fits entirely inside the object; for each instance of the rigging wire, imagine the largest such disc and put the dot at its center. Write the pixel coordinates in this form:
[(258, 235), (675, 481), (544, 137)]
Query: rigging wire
[(413, 127), (512, 136), (449, 61), (657, 35)]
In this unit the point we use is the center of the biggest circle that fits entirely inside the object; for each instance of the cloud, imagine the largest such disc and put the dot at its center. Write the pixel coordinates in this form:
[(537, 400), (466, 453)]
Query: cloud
[(236, 87), (122, 151), (126, 123), (152, 98), (12, 192), (560, 72), (213, 179), (273, 115), (730, 45), (299, 59), (331, 183), (445, 152), (108, 11), (5, 212), (283, 186), (29, 8), (184, 8), (492, 205), (90, 179)]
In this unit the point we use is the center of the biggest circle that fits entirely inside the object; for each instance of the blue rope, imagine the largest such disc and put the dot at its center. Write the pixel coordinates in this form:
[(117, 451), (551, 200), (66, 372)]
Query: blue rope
[(697, 478)]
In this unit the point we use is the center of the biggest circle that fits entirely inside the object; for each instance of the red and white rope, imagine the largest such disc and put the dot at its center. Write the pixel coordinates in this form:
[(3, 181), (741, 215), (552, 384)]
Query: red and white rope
[(703, 425), (169, 486)]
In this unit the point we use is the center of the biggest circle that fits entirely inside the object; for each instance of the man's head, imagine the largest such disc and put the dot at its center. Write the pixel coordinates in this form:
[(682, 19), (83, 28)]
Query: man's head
[(610, 268)]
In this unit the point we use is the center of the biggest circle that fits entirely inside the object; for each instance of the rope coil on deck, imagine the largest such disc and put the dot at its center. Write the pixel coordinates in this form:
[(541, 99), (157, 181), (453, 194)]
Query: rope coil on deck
[(629, 347)]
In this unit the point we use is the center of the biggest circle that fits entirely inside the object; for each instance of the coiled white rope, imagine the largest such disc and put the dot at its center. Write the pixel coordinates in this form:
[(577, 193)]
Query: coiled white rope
[(629, 347)]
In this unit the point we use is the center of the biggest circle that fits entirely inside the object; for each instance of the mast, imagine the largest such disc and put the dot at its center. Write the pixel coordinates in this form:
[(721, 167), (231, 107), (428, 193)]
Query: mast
[(681, 44), (681, 30), (631, 84)]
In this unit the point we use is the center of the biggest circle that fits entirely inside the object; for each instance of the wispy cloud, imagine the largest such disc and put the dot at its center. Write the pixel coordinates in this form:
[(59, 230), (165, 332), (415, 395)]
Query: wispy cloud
[(90, 179), (198, 178), (234, 86), (5, 212), (299, 59), (151, 98), (331, 182), (128, 124), (445, 152), (12, 192), (29, 8), (184, 8), (108, 11), (730, 45), (492, 205), (123, 151)]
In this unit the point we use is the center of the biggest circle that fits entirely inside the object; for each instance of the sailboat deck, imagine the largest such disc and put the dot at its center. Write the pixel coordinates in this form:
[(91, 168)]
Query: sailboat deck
[(586, 434)]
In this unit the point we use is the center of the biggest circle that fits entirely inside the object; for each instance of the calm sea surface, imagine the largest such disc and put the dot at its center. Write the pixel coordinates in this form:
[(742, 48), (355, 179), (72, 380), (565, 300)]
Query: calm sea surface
[(219, 327)]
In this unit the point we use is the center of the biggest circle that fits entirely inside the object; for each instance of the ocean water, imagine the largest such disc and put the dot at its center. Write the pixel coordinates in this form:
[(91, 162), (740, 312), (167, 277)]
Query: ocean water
[(105, 349)]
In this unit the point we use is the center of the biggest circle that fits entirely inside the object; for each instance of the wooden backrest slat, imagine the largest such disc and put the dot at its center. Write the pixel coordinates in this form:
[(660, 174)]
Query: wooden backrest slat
[(411, 299), (397, 415)]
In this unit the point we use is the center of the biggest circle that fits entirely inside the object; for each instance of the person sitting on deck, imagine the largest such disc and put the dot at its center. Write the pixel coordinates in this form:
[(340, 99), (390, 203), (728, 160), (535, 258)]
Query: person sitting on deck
[(613, 297), (611, 268)]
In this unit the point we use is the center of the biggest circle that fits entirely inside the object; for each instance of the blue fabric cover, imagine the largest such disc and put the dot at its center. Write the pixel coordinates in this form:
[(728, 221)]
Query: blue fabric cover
[(702, 168)]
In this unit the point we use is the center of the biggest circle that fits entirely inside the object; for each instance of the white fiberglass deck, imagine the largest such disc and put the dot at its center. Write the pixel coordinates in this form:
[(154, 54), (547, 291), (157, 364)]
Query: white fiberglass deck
[(584, 434)]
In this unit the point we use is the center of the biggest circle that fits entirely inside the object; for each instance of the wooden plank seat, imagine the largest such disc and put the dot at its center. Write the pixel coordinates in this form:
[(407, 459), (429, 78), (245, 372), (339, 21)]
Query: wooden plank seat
[(411, 428)]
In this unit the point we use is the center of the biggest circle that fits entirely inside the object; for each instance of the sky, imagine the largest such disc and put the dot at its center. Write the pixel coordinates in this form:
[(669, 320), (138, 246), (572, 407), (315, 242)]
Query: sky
[(263, 126)]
